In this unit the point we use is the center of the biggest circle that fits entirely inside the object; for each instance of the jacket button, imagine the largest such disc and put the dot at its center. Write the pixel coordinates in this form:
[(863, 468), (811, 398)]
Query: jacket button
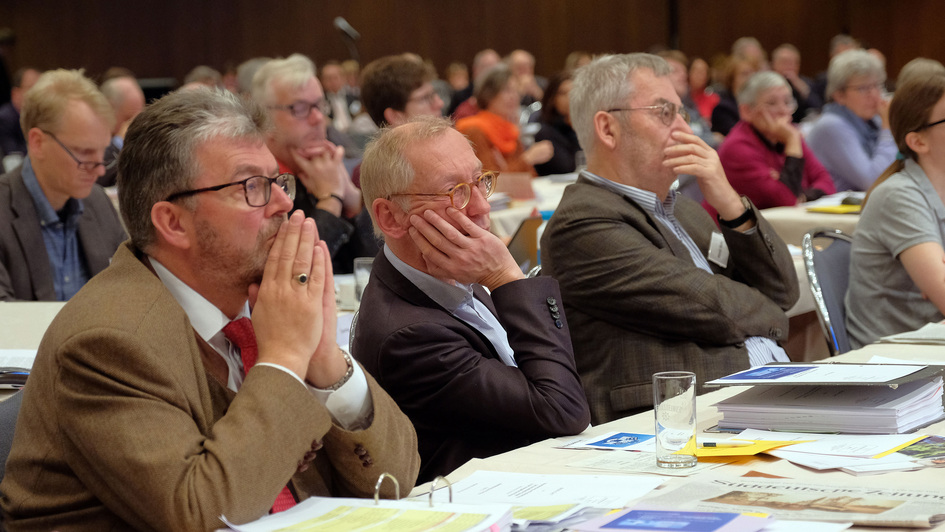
[(551, 301), (558, 324)]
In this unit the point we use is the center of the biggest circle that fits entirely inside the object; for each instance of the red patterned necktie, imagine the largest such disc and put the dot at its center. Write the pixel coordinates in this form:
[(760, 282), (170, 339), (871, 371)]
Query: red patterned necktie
[(240, 333)]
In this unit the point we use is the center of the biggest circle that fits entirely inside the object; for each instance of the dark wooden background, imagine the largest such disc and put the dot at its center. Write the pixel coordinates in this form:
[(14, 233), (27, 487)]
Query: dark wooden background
[(167, 38)]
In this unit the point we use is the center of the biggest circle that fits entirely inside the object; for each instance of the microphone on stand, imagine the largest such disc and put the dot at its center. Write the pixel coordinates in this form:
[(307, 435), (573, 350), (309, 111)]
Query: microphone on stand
[(349, 36)]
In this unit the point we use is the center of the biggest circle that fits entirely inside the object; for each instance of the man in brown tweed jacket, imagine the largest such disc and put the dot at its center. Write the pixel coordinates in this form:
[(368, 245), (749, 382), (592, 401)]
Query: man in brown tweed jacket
[(139, 412)]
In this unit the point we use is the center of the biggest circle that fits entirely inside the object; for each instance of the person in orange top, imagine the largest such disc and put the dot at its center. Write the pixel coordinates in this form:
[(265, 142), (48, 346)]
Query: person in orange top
[(493, 130)]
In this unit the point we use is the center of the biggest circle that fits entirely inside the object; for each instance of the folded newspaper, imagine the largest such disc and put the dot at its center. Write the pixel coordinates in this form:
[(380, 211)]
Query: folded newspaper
[(795, 500)]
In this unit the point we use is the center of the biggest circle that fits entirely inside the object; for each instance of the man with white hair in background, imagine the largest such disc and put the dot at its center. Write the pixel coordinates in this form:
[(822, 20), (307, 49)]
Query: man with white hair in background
[(291, 92)]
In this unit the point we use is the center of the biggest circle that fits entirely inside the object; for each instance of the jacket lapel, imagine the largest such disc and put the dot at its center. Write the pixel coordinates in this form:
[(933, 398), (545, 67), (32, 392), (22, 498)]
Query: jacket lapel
[(30, 236)]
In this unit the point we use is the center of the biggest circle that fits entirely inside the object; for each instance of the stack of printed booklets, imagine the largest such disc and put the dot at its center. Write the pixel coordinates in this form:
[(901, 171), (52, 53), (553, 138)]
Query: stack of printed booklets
[(842, 398)]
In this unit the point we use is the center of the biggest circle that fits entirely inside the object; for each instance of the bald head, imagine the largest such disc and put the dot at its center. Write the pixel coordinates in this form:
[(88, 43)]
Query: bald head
[(126, 98)]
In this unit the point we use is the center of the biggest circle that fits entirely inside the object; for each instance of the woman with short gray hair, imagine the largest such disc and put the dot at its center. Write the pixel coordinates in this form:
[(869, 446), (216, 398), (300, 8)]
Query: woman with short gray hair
[(764, 156), (852, 137)]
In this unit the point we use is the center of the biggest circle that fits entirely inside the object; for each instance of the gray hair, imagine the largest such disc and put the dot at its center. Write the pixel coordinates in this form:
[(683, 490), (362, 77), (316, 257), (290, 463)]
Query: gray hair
[(158, 158), (757, 84), (245, 72), (293, 71), (849, 64), (603, 84), (385, 169)]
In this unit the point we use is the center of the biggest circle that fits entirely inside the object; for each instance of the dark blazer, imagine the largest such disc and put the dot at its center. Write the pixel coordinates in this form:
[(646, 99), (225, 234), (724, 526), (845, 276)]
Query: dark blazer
[(25, 272), (638, 304), (463, 400), (123, 428)]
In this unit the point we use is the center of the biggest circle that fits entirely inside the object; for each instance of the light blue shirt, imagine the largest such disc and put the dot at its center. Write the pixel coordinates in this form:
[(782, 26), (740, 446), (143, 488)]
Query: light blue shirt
[(761, 350), (459, 301), (60, 235)]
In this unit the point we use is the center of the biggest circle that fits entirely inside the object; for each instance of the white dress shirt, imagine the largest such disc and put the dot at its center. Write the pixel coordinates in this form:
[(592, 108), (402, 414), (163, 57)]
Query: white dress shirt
[(350, 405), (458, 300), (761, 350)]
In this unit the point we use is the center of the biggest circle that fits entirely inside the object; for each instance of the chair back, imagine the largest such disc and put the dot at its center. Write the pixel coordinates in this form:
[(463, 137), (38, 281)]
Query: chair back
[(354, 323), (828, 273), (9, 411)]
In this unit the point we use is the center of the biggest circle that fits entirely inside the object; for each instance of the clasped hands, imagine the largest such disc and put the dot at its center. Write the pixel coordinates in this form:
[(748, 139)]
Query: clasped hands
[(295, 321), (462, 251), (323, 173)]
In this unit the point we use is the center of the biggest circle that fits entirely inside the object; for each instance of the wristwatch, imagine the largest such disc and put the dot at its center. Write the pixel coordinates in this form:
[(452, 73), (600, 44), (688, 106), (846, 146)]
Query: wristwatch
[(341, 382), (745, 216)]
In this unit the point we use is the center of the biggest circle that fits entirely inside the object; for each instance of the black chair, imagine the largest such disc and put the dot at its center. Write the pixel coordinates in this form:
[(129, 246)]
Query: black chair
[(828, 271), (9, 411)]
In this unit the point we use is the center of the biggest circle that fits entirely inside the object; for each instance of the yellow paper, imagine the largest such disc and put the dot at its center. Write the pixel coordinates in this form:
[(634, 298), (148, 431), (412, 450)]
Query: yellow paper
[(742, 450), (903, 446), (836, 209), (540, 513)]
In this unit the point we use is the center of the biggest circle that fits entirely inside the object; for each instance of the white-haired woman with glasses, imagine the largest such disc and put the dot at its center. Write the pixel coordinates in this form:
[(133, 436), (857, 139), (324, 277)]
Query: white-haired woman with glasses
[(852, 137), (897, 263), (764, 156)]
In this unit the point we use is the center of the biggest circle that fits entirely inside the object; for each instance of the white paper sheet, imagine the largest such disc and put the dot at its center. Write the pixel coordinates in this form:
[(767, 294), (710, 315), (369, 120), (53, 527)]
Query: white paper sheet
[(833, 445), (640, 463), (806, 526), (524, 489), (17, 358), (819, 373)]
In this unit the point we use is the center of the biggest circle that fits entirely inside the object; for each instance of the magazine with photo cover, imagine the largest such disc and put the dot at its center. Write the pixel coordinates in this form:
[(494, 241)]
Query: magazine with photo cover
[(795, 500)]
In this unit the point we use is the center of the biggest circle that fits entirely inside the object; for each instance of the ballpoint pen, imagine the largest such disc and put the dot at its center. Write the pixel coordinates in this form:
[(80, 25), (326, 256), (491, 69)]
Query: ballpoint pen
[(724, 444)]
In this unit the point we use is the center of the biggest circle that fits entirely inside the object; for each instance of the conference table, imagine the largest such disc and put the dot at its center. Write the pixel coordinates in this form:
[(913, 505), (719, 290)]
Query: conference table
[(22, 325), (544, 458)]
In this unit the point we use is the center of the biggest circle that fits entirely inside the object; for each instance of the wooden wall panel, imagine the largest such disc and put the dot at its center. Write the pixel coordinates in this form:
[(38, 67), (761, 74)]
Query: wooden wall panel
[(167, 38)]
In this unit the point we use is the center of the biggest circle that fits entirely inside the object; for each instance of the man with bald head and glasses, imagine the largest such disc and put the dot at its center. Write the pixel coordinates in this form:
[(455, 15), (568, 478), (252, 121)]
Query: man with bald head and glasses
[(60, 228), (479, 373), (199, 375), (649, 281), (293, 96)]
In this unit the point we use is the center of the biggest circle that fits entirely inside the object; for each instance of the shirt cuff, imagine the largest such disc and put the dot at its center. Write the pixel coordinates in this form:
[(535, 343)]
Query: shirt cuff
[(350, 406)]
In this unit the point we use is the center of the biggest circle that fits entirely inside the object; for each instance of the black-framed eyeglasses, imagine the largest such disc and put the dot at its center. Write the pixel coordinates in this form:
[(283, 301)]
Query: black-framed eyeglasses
[(667, 112), (257, 189), (302, 109), (926, 126), (461, 193), (85, 166)]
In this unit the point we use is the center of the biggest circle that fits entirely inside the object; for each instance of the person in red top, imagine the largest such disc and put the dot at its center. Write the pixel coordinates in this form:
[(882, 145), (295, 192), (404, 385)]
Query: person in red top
[(764, 156), (704, 97), (494, 132)]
